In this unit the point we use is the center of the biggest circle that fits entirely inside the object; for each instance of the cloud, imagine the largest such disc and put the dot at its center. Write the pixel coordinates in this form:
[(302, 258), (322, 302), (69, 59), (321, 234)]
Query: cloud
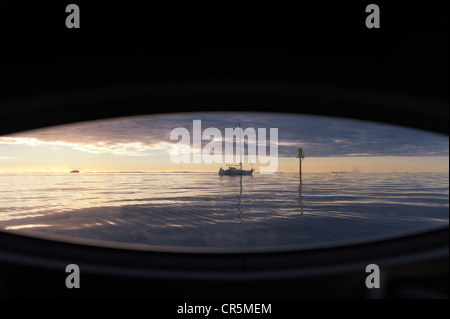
[(319, 136), (124, 149)]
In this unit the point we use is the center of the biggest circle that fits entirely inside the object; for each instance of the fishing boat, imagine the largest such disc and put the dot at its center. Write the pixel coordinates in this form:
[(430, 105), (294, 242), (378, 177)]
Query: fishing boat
[(75, 171), (236, 169)]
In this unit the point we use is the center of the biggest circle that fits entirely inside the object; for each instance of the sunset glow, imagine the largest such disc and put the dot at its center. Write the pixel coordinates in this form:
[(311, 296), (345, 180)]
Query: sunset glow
[(142, 144)]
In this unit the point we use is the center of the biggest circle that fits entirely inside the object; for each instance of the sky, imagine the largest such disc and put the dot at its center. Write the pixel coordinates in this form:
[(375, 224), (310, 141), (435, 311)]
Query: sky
[(143, 144)]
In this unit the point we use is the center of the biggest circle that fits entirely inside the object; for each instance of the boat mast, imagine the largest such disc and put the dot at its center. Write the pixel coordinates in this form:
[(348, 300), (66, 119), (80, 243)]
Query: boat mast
[(240, 147)]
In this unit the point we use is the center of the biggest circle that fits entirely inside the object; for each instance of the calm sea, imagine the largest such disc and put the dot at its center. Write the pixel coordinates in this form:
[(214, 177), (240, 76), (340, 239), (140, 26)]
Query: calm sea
[(200, 210)]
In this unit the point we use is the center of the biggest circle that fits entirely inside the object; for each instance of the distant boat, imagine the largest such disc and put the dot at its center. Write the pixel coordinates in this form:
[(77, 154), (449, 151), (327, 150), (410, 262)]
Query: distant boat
[(235, 169), (75, 171)]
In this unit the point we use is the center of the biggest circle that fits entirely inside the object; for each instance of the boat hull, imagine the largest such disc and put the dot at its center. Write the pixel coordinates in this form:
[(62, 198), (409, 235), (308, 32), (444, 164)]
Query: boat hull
[(233, 172)]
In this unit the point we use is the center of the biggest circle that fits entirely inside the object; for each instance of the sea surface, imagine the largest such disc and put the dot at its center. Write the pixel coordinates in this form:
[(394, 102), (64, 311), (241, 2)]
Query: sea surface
[(204, 210)]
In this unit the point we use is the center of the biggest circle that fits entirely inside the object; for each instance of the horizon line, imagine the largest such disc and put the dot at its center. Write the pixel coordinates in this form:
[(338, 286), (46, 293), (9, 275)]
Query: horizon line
[(191, 171)]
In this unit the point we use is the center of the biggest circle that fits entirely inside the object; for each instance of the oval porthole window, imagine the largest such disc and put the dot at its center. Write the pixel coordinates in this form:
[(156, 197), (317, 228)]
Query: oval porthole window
[(219, 181)]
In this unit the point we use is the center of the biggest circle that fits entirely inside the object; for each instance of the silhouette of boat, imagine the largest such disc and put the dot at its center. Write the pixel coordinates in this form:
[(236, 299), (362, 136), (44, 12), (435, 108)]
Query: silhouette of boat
[(236, 169), (75, 171)]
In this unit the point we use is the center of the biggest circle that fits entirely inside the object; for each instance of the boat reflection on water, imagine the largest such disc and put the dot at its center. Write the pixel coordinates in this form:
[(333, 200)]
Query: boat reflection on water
[(233, 179), (238, 206)]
